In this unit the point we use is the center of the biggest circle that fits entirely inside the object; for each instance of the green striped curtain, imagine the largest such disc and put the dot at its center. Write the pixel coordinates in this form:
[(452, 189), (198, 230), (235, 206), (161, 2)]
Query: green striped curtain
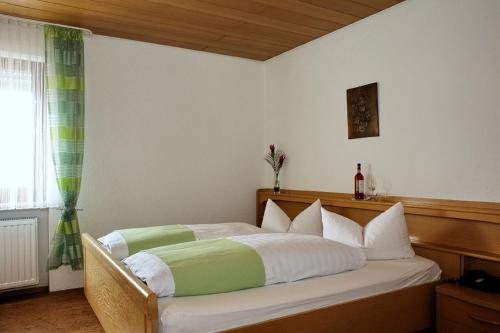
[(65, 94)]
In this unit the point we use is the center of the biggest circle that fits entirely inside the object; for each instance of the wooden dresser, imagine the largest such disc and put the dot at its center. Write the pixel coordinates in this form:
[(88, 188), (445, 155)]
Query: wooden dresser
[(465, 310)]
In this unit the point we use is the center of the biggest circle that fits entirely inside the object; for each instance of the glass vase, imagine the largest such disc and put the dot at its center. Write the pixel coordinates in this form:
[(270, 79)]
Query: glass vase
[(276, 187)]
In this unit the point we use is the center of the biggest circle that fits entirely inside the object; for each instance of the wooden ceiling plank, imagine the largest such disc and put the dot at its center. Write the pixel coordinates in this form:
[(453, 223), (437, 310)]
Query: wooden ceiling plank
[(252, 44), (139, 18), (379, 4), (250, 32), (208, 8), (245, 30), (253, 32), (6, 8), (244, 6), (260, 56), (255, 53), (179, 40), (312, 10), (305, 20), (280, 35), (175, 33), (161, 15), (117, 20), (190, 31), (345, 6), (95, 25)]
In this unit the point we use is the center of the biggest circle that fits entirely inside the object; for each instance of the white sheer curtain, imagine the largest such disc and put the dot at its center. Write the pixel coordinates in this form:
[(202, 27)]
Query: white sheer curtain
[(23, 117), (21, 40)]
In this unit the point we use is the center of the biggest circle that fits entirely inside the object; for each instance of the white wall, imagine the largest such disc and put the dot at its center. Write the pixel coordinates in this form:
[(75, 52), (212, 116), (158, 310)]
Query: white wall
[(172, 136), (438, 68)]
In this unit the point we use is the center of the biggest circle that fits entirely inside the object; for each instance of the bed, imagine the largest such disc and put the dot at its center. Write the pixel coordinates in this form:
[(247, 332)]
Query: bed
[(123, 303)]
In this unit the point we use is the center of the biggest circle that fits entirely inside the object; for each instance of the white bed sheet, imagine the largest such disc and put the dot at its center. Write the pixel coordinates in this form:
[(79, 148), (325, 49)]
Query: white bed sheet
[(210, 313)]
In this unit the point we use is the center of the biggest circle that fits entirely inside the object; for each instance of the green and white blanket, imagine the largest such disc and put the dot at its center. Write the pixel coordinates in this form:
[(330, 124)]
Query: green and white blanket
[(240, 262), (125, 242)]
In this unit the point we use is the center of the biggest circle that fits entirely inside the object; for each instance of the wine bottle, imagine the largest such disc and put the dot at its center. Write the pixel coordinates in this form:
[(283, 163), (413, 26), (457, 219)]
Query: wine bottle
[(359, 184)]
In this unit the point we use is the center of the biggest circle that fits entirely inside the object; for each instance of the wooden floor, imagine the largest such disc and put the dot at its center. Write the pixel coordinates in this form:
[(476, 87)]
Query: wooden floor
[(66, 311)]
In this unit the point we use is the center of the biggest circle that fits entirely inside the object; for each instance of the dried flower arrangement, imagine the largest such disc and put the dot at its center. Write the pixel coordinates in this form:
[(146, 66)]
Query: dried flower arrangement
[(275, 158)]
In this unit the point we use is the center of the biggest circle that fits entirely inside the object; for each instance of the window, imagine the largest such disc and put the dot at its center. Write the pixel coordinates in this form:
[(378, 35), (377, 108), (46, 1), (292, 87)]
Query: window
[(23, 116), (23, 134)]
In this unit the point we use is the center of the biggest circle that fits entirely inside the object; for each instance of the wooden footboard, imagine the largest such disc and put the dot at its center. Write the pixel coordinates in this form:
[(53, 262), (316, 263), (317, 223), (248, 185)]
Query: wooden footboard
[(121, 302)]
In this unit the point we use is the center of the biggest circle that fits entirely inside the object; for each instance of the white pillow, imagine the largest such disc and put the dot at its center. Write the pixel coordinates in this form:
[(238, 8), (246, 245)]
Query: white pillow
[(386, 236), (275, 219), (341, 229), (307, 222)]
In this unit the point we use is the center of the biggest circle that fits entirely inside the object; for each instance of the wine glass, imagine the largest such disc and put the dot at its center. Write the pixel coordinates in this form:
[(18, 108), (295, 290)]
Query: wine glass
[(372, 185)]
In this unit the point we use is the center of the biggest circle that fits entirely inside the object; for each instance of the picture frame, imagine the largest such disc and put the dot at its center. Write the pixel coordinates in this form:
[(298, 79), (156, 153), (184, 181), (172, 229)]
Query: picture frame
[(362, 111)]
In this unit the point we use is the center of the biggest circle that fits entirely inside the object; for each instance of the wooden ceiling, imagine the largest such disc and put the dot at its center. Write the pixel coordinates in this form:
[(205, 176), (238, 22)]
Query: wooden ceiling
[(255, 29)]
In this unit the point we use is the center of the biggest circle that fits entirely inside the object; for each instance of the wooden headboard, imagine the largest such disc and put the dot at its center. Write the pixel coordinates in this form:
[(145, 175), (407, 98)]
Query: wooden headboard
[(456, 234)]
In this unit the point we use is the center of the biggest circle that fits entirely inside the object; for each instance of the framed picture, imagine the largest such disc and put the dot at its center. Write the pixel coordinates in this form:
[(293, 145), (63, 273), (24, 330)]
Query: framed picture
[(362, 111)]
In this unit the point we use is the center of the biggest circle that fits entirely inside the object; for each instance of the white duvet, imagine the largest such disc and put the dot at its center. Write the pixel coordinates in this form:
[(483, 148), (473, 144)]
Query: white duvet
[(286, 258), (117, 246)]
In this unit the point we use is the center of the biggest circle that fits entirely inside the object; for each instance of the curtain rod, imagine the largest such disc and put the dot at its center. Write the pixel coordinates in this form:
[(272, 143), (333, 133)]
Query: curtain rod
[(86, 32)]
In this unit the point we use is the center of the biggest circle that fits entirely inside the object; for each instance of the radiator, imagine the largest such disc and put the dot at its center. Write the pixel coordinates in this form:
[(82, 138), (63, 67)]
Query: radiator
[(18, 253)]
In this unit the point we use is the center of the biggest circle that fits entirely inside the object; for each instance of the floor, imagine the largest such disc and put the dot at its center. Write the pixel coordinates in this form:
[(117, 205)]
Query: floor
[(66, 311)]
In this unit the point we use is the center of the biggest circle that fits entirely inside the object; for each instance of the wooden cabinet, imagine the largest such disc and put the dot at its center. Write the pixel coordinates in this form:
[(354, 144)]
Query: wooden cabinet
[(466, 310)]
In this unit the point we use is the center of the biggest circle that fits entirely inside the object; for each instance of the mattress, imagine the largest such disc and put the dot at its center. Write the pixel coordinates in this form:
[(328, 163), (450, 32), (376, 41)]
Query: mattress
[(210, 313)]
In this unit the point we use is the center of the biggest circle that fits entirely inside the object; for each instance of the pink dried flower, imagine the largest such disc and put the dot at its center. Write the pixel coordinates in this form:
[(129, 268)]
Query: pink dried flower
[(281, 160), (275, 158)]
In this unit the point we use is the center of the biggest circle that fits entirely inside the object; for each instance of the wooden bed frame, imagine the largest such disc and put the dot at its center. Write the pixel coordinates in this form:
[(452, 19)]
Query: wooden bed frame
[(452, 233)]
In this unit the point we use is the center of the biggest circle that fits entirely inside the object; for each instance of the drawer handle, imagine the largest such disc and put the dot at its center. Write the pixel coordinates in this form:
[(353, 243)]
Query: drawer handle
[(486, 321)]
